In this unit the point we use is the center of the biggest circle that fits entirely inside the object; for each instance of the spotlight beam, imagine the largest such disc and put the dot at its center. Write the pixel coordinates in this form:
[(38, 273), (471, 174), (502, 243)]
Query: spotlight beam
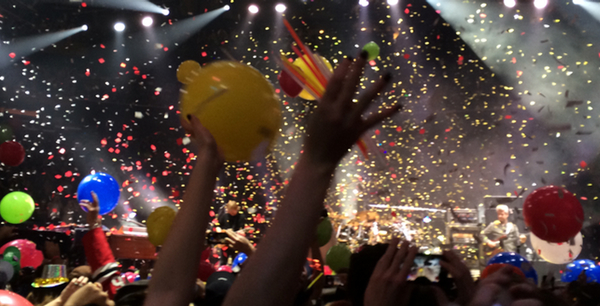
[(32, 44), (184, 29), (131, 5)]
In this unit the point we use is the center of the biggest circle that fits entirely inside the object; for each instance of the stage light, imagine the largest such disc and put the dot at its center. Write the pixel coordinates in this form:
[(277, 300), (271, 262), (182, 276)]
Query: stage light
[(280, 8), (510, 3), (84, 27), (119, 27), (540, 3), (166, 12), (253, 9), (577, 2), (227, 7), (392, 2), (147, 21), (363, 3)]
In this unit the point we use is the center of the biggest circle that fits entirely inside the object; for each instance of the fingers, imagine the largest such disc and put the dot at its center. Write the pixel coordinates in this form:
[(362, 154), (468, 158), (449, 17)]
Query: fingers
[(406, 266), (399, 258), (386, 259), (353, 79), (186, 124), (376, 118), (337, 80), (231, 233), (95, 202), (450, 268), (230, 242), (369, 96)]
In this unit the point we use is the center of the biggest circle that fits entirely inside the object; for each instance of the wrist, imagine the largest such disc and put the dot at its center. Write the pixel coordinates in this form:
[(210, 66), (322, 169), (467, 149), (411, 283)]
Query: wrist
[(316, 167)]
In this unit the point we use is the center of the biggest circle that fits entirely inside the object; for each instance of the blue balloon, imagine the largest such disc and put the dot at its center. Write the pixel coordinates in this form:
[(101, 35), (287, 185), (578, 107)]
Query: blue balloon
[(515, 259), (574, 269), (105, 187), (239, 259)]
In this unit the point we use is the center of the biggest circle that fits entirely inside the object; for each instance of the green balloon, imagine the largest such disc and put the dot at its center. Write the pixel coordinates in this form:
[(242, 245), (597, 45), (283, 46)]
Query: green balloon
[(6, 133), (338, 257), (324, 231), (373, 49), (16, 207), (12, 255)]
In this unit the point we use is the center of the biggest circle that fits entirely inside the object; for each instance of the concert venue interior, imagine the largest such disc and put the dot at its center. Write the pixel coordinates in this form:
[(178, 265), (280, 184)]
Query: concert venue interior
[(499, 99)]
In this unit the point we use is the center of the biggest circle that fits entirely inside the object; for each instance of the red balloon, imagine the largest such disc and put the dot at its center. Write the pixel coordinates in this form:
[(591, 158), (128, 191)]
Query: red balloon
[(224, 269), (30, 256), (205, 270), (12, 299), (12, 153), (288, 85), (553, 214), (493, 268)]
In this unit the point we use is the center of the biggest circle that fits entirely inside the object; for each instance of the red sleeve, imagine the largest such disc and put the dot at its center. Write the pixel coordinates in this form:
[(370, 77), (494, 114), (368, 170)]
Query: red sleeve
[(97, 250)]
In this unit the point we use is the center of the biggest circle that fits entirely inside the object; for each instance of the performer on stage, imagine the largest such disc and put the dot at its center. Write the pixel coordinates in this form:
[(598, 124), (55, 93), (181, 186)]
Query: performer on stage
[(232, 218), (501, 235)]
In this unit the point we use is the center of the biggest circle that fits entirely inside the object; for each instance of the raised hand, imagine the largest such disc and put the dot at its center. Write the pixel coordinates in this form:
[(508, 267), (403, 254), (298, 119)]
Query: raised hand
[(461, 275), (208, 150), (337, 122), (239, 242), (388, 284), (93, 213), (73, 286), (90, 293)]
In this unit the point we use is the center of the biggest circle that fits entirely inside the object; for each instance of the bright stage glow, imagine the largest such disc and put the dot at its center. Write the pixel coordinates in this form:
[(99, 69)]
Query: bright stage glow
[(577, 2), (147, 21), (540, 3), (392, 2), (363, 3), (253, 9), (227, 7), (166, 12), (280, 8), (510, 3), (119, 27), (84, 27)]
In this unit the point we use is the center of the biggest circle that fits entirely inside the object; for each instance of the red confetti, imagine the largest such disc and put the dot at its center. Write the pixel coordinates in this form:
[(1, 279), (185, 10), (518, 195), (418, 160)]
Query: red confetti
[(583, 164), (101, 61), (399, 129), (60, 189), (422, 131), (12, 55), (406, 56)]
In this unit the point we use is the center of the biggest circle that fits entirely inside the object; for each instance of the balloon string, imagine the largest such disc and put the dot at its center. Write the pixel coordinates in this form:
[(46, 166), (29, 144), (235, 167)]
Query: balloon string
[(315, 70), (298, 77), (299, 42)]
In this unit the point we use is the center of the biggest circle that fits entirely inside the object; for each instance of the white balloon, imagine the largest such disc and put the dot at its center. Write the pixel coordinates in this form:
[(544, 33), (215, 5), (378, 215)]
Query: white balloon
[(557, 253)]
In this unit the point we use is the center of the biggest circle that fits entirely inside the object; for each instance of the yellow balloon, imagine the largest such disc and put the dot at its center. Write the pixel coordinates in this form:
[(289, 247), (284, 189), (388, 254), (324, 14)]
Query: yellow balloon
[(159, 224), (237, 104), (187, 71), (309, 74)]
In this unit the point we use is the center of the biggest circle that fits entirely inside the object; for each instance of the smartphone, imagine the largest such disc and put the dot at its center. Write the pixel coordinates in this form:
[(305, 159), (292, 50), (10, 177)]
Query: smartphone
[(332, 281), (427, 266), (216, 238)]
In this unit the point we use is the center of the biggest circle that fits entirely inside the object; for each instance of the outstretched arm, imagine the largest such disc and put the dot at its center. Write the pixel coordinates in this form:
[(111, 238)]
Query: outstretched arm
[(271, 276), (174, 277)]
